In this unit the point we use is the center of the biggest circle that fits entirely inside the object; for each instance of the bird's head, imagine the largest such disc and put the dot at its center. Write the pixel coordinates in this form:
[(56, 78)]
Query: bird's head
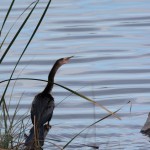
[(63, 60)]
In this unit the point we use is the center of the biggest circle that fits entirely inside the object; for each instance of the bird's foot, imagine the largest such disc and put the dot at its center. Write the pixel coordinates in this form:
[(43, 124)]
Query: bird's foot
[(48, 126)]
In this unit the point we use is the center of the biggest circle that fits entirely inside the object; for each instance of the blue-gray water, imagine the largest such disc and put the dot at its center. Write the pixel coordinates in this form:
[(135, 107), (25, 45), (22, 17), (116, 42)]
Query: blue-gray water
[(109, 40)]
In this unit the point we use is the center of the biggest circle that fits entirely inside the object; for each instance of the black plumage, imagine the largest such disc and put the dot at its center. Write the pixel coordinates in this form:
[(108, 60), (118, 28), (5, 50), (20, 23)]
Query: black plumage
[(42, 108), (43, 105)]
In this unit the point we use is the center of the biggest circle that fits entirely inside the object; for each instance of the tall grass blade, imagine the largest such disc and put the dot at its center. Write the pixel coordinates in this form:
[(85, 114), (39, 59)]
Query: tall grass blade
[(5, 118), (6, 114), (20, 119), (93, 124), (14, 114), (7, 15), (2, 98), (74, 92), (16, 35), (26, 46), (35, 30), (84, 97), (15, 23)]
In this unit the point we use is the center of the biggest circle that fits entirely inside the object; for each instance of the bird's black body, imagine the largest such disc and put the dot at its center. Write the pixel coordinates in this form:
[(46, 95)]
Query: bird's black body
[(42, 108), (43, 105)]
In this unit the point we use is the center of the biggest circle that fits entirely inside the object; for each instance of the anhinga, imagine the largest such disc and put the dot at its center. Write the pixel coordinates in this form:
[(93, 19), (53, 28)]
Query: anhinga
[(43, 105)]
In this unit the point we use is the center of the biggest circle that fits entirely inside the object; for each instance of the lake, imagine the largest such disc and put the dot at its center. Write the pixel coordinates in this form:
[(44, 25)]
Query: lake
[(109, 40)]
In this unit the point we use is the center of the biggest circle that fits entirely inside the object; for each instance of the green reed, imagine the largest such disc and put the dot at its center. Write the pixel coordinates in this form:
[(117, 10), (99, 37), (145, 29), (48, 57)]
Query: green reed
[(7, 14), (15, 24), (6, 137)]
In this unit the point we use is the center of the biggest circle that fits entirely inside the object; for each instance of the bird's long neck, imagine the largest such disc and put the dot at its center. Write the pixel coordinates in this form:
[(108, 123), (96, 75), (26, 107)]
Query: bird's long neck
[(51, 76)]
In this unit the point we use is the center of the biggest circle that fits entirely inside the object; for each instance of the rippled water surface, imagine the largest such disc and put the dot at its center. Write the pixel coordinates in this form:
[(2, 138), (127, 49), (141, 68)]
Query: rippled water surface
[(109, 40)]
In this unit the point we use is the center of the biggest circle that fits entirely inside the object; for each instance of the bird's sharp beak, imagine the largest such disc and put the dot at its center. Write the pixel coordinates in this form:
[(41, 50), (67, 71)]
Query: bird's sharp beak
[(66, 60), (69, 57)]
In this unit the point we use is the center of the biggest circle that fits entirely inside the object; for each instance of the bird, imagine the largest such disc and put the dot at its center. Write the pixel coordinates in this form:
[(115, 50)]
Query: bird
[(43, 105)]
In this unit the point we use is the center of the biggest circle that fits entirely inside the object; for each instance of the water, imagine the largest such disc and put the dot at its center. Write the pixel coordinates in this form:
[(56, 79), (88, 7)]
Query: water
[(109, 40)]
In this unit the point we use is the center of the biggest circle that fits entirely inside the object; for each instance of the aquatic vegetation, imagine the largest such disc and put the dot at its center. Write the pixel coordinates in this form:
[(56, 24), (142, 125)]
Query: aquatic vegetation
[(7, 123)]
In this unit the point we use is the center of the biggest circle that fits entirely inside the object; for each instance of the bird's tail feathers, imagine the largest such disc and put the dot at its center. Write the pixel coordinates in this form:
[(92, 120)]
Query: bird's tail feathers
[(30, 139)]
